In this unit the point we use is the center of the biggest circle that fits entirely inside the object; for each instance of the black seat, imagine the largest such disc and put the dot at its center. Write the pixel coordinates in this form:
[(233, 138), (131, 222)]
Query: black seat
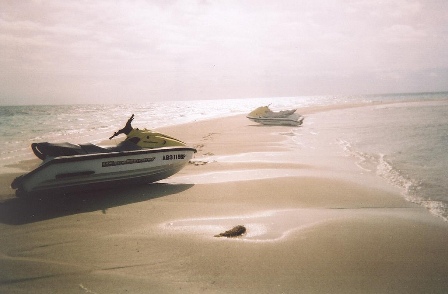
[(126, 145), (90, 148), (44, 149)]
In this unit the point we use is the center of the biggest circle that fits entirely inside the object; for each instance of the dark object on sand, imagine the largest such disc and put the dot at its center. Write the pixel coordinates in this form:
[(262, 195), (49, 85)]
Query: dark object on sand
[(235, 232)]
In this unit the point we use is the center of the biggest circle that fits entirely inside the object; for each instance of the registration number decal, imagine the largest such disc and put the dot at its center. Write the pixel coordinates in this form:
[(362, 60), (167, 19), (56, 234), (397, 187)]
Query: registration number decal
[(174, 156)]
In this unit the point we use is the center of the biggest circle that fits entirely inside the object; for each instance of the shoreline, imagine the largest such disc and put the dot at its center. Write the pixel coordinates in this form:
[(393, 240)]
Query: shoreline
[(315, 222)]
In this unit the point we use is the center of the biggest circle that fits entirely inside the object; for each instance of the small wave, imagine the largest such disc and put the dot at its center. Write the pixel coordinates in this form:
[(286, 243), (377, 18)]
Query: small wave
[(394, 176), (410, 188), (438, 208), (364, 161)]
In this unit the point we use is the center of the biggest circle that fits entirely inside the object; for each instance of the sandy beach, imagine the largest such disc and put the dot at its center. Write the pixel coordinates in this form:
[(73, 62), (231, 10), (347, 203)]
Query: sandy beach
[(316, 223)]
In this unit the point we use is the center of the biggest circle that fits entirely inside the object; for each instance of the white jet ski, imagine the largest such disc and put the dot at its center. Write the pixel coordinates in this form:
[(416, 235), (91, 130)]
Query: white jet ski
[(143, 157), (266, 116)]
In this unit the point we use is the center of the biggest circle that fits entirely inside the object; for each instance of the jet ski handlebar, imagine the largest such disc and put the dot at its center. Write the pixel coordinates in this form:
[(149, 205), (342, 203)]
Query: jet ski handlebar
[(126, 130)]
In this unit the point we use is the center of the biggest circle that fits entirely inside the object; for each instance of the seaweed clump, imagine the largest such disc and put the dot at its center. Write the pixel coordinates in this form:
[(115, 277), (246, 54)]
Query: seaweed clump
[(234, 232)]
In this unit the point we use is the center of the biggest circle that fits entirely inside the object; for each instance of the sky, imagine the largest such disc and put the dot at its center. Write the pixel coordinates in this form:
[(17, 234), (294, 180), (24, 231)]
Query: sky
[(136, 51)]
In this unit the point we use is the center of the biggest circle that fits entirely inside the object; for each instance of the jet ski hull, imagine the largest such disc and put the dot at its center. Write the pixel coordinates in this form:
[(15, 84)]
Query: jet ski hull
[(292, 120), (84, 172)]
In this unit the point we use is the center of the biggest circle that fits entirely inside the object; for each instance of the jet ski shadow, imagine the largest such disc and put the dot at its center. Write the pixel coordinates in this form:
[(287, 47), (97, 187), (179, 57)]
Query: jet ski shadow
[(36, 208)]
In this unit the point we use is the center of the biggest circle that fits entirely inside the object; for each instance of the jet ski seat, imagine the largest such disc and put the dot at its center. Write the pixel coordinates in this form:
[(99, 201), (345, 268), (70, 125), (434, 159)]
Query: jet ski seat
[(44, 149), (90, 148)]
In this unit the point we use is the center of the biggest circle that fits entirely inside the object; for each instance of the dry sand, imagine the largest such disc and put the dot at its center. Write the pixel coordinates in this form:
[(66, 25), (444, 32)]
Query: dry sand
[(315, 224)]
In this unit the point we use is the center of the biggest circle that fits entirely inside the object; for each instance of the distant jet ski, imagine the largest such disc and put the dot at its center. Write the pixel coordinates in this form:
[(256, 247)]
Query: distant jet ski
[(144, 156), (266, 116)]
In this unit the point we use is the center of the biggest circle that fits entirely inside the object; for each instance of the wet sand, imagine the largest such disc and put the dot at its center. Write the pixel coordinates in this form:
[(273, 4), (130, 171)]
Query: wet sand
[(315, 223)]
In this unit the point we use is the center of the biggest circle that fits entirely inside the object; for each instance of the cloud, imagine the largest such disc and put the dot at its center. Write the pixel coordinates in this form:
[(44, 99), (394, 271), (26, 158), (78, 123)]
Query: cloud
[(76, 50), (403, 34)]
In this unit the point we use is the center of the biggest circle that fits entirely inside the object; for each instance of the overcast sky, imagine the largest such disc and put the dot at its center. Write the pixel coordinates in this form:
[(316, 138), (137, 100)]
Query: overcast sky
[(142, 51)]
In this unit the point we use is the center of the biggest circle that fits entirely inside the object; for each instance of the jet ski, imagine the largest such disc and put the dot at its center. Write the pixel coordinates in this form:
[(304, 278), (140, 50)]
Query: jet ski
[(144, 156), (264, 115)]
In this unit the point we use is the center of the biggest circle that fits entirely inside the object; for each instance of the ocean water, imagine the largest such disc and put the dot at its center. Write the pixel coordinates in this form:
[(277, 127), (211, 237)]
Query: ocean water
[(405, 143), (402, 138)]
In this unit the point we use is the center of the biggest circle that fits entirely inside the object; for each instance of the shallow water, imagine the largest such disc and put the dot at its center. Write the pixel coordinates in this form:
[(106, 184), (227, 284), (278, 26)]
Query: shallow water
[(404, 143)]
